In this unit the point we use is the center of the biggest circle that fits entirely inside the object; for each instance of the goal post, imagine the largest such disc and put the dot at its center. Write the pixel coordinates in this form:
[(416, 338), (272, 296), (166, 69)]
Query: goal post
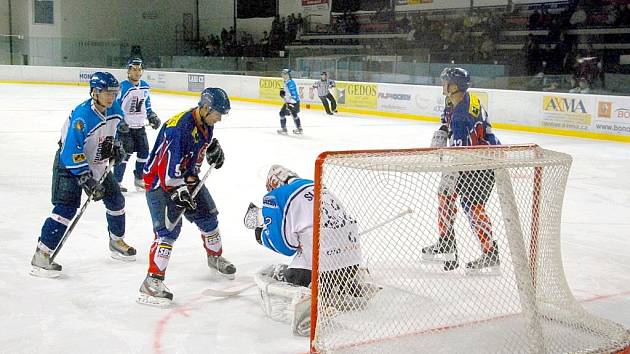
[(498, 287)]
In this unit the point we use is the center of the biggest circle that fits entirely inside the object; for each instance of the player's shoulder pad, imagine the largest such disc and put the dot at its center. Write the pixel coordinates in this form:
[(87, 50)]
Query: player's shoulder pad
[(176, 119), (145, 84), (474, 105)]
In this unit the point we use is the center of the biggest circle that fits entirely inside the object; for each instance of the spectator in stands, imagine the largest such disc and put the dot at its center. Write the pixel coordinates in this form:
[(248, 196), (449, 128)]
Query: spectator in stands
[(533, 55), (487, 48), (578, 18), (534, 20)]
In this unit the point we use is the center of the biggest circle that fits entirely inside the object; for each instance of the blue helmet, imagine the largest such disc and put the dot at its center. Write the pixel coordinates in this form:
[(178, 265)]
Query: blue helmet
[(216, 99), (457, 76), (135, 61), (104, 81)]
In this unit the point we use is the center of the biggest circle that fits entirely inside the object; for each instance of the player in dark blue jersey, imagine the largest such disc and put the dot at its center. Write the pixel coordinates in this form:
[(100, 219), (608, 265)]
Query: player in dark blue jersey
[(464, 123), (291, 104), (86, 147), (170, 176)]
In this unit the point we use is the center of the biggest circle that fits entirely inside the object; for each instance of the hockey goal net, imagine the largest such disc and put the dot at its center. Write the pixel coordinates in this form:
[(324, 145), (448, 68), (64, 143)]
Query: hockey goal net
[(504, 200)]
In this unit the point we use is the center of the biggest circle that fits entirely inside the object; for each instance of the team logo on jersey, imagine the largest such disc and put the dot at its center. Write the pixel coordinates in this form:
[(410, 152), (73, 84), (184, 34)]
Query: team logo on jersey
[(79, 124), (270, 202), (78, 158)]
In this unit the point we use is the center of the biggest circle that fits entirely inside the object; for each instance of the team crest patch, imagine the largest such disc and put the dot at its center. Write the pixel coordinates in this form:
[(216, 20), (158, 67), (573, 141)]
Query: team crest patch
[(77, 158), (79, 124)]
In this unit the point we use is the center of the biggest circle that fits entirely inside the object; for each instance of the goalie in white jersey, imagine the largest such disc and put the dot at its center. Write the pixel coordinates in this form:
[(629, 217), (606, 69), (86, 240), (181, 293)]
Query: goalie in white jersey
[(286, 227), (135, 100)]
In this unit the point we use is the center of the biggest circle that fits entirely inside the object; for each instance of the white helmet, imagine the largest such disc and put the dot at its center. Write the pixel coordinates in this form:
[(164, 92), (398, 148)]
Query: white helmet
[(278, 176)]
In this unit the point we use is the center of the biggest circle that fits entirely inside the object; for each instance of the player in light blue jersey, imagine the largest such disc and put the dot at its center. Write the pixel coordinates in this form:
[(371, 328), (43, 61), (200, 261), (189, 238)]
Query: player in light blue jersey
[(135, 100), (86, 147), (291, 104)]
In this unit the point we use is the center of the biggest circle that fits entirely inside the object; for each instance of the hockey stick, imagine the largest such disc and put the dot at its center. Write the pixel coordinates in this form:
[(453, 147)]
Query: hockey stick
[(170, 226), (232, 289), (78, 216), (383, 223)]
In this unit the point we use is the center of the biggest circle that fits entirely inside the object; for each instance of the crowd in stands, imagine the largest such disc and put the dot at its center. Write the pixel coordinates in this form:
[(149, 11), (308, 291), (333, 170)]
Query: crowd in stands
[(546, 32), (231, 43)]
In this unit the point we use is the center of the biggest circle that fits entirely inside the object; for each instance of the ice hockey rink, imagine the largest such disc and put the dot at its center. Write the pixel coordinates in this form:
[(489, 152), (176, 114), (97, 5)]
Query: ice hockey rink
[(91, 308)]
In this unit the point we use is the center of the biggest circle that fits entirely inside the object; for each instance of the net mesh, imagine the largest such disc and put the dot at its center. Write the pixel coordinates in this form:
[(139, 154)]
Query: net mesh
[(460, 252)]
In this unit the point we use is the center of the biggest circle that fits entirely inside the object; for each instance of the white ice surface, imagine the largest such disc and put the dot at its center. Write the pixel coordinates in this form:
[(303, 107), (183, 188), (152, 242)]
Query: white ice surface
[(92, 309)]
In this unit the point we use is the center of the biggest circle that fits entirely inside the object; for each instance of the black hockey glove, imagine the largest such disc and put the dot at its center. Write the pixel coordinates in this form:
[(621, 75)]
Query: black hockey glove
[(91, 186), (182, 198), (123, 127), (118, 152), (282, 93), (214, 154), (112, 149), (258, 234), (154, 121)]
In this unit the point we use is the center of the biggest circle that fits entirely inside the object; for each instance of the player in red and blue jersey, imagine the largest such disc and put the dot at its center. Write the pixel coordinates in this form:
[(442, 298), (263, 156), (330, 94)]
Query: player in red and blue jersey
[(170, 176), (464, 123)]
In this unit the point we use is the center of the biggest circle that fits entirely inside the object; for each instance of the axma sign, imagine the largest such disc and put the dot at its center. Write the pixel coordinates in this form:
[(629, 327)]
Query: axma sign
[(563, 105)]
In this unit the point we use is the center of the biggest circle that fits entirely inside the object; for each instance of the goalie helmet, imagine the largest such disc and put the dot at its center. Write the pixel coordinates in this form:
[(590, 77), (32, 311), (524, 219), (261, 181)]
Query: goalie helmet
[(216, 99), (278, 176), (456, 76), (103, 81)]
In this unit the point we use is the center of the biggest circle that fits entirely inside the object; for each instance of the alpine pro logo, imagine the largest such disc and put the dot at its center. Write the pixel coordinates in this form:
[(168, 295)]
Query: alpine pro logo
[(394, 96)]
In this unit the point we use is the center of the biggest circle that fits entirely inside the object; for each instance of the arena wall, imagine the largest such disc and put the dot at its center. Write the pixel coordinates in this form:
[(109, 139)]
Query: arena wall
[(578, 115)]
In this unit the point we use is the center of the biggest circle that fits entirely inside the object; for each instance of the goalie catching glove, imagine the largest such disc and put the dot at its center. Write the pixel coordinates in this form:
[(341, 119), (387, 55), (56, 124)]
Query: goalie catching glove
[(214, 154), (253, 221), (154, 121), (182, 198)]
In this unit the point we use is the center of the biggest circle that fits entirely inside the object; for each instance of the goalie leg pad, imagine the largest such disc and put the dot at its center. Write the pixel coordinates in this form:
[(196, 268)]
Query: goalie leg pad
[(284, 302)]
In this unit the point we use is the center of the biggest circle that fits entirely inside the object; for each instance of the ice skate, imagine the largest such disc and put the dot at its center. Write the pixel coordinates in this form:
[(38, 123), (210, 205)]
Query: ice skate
[(487, 264), (283, 131), (298, 131), (42, 267), (445, 250), (121, 250), (122, 188), (153, 292), (222, 266), (139, 184)]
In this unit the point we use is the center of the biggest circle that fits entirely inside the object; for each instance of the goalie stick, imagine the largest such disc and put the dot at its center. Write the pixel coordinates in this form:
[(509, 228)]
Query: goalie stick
[(78, 216)]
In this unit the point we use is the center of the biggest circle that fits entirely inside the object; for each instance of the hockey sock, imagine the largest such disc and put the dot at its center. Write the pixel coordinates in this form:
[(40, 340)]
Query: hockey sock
[(296, 120), (283, 123), (56, 224), (480, 222), (447, 210), (115, 214), (119, 170), (212, 242), (159, 255)]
